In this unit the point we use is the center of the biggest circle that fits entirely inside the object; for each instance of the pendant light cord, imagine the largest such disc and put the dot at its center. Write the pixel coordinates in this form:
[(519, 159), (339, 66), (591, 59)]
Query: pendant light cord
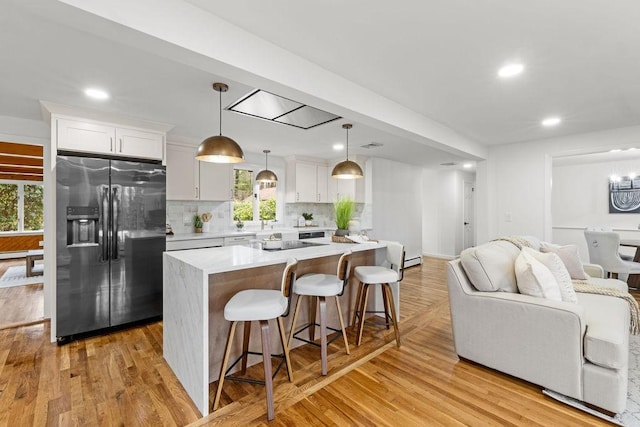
[(347, 143), (220, 110)]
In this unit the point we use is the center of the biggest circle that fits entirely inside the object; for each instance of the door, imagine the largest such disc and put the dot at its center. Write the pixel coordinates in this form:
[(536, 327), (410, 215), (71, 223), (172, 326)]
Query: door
[(82, 262), (138, 240), (468, 215)]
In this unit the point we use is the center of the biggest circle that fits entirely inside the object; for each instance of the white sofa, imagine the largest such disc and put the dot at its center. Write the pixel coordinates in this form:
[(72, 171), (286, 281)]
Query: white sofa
[(578, 350)]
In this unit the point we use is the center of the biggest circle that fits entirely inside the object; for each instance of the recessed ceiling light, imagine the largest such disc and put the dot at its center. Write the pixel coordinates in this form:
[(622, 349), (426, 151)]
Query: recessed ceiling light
[(96, 93), (467, 165), (615, 150), (551, 121), (510, 70), (338, 147)]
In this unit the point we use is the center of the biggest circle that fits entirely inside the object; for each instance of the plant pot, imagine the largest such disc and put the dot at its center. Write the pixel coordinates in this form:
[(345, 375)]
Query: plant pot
[(198, 230), (308, 223), (342, 233)]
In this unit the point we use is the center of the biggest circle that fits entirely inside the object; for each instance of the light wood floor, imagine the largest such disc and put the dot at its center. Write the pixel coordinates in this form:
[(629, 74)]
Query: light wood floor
[(20, 304), (121, 379)]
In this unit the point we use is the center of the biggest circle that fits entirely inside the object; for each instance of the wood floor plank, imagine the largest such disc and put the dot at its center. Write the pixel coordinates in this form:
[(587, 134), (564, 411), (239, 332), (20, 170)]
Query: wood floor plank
[(122, 379)]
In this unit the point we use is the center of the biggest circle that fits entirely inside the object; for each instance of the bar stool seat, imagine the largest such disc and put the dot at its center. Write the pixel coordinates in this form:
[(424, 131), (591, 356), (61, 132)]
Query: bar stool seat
[(258, 305), (384, 276), (255, 304), (319, 286)]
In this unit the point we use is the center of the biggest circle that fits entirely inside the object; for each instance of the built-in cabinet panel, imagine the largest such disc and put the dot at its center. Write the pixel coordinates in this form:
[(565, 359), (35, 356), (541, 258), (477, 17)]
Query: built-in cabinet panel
[(216, 181), (103, 138), (191, 179), (306, 182), (182, 173)]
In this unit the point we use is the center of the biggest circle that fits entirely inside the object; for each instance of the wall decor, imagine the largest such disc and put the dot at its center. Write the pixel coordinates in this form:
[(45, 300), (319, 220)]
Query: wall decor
[(624, 194)]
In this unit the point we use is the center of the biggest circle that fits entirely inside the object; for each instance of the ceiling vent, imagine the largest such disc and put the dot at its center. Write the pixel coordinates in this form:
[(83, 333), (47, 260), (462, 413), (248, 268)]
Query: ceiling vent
[(372, 145), (448, 164), (275, 108)]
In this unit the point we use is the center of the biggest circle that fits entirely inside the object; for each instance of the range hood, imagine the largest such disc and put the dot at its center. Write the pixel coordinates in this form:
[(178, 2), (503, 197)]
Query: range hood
[(275, 108)]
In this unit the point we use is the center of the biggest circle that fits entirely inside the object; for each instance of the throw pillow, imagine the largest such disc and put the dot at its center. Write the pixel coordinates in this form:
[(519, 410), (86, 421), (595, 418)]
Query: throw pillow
[(533, 278), (553, 262), (570, 258)]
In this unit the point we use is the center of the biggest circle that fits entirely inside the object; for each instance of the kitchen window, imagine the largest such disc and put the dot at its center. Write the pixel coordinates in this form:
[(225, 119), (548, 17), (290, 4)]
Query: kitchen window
[(253, 201), (21, 206)]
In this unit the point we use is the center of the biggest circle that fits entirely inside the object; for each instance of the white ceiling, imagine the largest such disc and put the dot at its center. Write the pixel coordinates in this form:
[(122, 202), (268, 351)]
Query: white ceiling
[(437, 58)]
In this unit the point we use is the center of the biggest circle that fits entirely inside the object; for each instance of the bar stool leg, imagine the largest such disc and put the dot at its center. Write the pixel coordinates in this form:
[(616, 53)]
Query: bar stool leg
[(285, 348), (293, 321), (387, 288), (313, 310), (223, 367), (357, 304), (266, 357), (344, 333), (387, 317), (363, 307), (323, 333), (245, 346)]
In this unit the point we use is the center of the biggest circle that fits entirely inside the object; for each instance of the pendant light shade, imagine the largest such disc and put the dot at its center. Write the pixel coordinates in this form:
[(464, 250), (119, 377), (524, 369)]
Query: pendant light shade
[(219, 148), (266, 175), (347, 169)]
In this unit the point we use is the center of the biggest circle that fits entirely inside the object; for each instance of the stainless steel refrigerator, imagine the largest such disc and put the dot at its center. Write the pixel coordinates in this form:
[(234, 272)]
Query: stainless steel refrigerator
[(110, 239)]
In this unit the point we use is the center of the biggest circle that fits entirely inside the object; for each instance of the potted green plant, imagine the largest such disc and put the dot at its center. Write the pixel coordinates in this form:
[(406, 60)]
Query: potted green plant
[(308, 217), (239, 224), (343, 209), (197, 223)]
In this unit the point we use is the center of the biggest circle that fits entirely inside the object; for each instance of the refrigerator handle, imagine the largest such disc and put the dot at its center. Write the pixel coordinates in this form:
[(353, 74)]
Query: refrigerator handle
[(104, 239), (115, 202)]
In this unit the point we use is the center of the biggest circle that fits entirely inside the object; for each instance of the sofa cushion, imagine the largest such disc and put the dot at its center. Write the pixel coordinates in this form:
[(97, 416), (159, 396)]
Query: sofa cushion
[(606, 342), (490, 267), (569, 256), (534, 278), (553, 262)]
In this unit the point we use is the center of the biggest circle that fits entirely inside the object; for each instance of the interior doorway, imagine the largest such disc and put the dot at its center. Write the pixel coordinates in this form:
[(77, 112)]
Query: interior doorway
[(468, 215), (21, 233)]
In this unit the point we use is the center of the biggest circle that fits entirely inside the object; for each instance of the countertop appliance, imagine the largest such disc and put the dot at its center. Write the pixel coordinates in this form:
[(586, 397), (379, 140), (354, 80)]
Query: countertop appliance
[(110, 224), (310, 234)]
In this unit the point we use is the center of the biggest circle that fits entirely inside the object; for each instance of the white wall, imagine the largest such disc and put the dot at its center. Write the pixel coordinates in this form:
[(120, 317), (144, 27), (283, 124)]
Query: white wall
[(516, 179), (396, 203), (580, 199), (442, 211)]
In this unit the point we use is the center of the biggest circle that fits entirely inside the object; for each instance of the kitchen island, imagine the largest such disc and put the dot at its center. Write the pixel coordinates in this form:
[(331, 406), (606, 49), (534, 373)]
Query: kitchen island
[(198, 283)]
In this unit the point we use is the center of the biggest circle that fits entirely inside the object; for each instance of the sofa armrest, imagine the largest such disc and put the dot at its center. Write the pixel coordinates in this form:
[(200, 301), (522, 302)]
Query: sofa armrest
[(594, 270), (531, 338)]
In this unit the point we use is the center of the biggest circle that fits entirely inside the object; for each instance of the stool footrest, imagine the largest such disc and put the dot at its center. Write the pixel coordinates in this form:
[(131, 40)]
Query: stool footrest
[(250, 380), (307, 326)]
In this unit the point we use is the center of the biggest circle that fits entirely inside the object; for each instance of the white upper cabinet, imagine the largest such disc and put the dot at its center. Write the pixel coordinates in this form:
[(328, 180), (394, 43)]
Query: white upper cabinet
[(190, 179), (182, 173), (306, 182), (216, 181), (102, 138), (351, 188)]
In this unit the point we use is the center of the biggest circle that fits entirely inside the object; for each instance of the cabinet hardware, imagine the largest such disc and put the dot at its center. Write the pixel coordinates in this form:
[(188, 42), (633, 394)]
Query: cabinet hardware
[(297, 196), (121, 145), (197, 193), (111, 144)]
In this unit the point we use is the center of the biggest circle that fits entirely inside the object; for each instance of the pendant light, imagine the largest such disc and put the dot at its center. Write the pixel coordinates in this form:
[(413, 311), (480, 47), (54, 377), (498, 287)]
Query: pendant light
[(266, 175), (347, 169), (218, 148)]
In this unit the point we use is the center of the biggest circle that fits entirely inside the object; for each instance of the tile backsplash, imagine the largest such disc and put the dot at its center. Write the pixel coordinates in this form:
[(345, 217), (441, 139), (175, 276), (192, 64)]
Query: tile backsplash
[(180, 215)]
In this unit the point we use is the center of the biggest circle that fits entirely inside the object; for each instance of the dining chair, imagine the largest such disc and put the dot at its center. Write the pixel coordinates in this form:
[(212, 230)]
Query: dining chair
[(603, 250), (625, 257)]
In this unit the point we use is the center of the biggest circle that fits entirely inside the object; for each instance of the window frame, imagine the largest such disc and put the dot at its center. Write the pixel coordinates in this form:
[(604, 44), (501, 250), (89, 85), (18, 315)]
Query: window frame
[(21, 184), (256, 189)]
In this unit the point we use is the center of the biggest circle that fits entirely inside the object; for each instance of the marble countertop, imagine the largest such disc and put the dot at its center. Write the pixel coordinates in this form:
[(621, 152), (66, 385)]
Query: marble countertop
[(249, 233), (232, 258)]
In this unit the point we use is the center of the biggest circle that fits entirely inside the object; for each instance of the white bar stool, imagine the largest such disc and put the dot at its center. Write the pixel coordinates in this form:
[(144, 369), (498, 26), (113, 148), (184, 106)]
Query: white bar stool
[(321, 286), (259, 305), (379, 275)]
